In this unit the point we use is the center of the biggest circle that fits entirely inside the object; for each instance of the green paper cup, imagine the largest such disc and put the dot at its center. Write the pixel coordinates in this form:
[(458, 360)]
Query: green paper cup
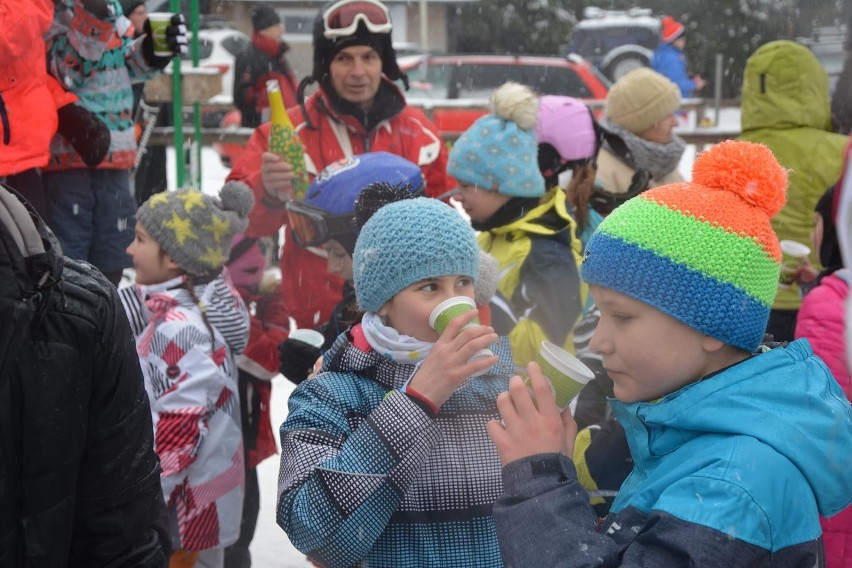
[(449, 309), (444, 312), (793, 253), (159, 22), (567, 374)]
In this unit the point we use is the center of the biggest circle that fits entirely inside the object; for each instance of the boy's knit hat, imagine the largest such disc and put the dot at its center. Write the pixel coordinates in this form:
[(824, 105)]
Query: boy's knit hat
[(702, 252), (641, 98), (406, 242), (263, 16), (501, 148), (195, 229), (671, 29)]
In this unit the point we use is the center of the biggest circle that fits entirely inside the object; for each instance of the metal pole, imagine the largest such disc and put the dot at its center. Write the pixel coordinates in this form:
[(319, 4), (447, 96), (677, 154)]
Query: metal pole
[(424, 26), (195, 148), (177, 107), (717, 90)]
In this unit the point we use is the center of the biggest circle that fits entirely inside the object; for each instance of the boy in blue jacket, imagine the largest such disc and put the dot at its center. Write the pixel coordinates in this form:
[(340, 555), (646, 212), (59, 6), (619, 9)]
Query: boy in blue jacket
[(735, 455), (668, 59)]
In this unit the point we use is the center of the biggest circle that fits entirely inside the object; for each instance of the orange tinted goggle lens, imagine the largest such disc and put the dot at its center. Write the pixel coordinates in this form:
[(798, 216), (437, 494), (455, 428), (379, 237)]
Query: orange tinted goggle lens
[(344, 16), (303, 228)]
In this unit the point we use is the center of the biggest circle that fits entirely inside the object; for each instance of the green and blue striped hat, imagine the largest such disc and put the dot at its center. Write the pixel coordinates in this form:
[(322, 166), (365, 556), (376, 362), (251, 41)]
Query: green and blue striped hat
[(702, 252)]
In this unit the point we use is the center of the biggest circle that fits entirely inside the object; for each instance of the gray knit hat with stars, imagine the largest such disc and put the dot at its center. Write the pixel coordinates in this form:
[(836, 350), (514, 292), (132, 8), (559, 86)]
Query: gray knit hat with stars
[(195, 229)]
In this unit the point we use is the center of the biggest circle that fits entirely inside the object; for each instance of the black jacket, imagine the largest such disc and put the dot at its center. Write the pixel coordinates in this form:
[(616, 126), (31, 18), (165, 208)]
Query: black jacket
[(79, 478), (252, 68)]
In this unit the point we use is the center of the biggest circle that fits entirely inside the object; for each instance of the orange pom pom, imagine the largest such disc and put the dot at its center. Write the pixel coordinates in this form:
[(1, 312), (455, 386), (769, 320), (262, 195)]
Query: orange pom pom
[(747, 169)]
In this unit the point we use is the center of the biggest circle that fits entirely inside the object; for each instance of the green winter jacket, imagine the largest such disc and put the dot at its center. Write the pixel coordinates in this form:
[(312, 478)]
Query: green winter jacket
[(786, 106)]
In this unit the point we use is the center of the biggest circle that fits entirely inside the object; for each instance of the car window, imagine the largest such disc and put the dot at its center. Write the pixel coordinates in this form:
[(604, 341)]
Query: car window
[(615, 36), (205, 49), (429, 82), (479, 81), (585, 43), (552, 80), (235, 44)]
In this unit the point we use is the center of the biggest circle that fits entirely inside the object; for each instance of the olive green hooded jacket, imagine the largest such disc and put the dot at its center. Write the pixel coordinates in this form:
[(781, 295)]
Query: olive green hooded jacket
[(786, 106)]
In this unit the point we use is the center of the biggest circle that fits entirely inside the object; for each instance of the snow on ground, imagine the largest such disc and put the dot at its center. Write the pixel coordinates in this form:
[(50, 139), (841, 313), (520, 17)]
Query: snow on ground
[(271, 547)]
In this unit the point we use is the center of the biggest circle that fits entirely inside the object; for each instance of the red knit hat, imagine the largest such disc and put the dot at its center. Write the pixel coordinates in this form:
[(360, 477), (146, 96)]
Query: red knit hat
[(672, 29)]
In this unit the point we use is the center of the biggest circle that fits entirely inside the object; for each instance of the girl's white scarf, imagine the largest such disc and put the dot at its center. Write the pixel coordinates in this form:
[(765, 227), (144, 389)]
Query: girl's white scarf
[(391, 344)]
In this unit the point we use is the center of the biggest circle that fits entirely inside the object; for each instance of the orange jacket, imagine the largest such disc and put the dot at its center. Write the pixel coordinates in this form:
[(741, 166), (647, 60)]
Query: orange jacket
[(27, 110)]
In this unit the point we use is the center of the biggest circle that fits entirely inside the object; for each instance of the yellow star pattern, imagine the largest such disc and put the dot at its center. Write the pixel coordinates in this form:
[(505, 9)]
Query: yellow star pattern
[(181, 228), (213, 257), (191, 199), (158, 199), (218, 226)]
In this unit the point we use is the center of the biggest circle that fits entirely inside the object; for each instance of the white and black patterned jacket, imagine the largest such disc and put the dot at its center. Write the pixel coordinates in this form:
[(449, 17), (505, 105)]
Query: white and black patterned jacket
[(370, 478)]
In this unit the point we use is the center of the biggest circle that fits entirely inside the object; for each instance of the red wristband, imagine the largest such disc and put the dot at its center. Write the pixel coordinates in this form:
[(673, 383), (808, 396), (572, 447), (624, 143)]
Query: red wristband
[(414, 394)]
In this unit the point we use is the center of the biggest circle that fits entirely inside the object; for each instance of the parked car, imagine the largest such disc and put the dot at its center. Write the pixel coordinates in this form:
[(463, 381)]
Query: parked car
[(454, 89), (615, 41)]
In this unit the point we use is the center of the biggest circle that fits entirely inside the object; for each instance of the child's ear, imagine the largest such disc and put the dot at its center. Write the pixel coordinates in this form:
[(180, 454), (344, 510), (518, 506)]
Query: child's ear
[(171, 264)]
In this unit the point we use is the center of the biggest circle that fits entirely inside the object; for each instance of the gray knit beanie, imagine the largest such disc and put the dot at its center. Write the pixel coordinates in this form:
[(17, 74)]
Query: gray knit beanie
[(195, 229)]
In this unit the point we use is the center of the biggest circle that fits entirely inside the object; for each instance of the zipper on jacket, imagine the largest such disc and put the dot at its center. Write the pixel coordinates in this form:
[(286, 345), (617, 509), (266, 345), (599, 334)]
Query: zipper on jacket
[(4, 117)]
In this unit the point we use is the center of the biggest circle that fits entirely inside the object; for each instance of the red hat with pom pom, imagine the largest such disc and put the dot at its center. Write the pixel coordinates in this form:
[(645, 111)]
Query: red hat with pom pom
[(702, 252), (671, 29)]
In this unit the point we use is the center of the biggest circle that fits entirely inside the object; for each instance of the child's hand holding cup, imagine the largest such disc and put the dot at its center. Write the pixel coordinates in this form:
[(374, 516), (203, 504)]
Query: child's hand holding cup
[(793, 254), (444, 313), (567, 374)]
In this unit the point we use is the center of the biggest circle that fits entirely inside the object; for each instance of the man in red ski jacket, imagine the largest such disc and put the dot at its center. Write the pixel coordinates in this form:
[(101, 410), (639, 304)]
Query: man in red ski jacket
[(357, 108)]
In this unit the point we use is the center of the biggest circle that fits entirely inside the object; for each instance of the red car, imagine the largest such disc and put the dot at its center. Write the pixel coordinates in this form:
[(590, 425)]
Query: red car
[(454, 89)]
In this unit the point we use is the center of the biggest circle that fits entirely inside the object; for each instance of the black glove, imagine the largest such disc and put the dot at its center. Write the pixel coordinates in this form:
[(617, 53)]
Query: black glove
[(86, 133), (297, 359), (176, 37), (99, 8)]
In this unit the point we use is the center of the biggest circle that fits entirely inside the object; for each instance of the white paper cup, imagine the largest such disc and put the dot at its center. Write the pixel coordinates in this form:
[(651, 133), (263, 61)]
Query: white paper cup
[(793, 253), (567, 374), (309, 336), (159, 22)]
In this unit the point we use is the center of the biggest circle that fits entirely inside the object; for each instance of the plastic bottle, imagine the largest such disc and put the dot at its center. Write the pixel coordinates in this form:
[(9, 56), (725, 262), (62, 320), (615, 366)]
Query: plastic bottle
[(283, 139)]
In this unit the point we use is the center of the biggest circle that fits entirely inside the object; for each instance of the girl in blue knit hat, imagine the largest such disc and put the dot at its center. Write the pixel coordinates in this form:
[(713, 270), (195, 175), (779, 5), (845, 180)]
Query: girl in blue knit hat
[(385, 460), (325, 218), (529, 231)]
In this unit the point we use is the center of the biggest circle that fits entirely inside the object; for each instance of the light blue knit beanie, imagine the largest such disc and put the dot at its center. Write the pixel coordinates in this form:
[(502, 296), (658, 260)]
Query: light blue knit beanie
[(409, 241), (501, 148)]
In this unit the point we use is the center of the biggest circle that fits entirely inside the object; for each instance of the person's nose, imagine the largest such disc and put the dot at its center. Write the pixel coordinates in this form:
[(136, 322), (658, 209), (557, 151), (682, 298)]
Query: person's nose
[(358, 68), (600, 342)]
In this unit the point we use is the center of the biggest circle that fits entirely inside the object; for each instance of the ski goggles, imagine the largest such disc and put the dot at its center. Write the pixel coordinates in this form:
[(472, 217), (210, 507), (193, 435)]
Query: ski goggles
[(312, 226), (342, 18)]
